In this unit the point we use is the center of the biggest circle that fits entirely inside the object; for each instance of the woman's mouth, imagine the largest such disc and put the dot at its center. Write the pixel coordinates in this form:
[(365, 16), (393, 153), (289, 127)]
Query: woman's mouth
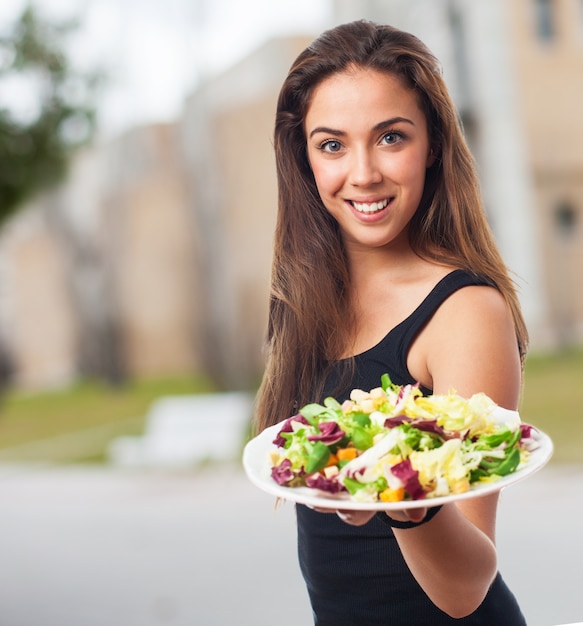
[(370, 207)]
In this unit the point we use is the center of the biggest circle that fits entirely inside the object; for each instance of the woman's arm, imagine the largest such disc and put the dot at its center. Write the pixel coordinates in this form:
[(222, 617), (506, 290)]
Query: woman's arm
[(469, 346)]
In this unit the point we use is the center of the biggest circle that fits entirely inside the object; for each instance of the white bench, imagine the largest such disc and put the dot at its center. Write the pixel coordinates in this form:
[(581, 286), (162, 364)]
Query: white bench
[(183, 431)]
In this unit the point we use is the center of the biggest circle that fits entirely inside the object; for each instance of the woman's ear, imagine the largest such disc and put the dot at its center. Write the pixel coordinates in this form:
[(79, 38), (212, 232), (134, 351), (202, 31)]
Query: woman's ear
[(432, 156)]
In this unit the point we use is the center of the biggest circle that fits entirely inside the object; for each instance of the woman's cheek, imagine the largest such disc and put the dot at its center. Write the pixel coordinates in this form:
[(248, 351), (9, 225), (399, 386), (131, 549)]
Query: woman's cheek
[(328, 179)]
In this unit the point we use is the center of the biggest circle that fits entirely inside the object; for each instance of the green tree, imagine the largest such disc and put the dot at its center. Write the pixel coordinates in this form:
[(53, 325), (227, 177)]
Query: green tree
[(35, 148)]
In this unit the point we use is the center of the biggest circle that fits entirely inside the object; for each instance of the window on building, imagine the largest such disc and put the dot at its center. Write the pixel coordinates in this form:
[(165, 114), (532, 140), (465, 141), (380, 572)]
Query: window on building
[(565, 219), (544, 19)]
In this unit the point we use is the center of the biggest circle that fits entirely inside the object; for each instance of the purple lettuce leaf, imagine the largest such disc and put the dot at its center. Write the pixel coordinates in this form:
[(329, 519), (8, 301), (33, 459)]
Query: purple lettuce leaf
[(287, 428), (391, 422), (428, 426), (431, 426), (529, 439), (318, 481), (410, 479), (330, 433), (283, 473)]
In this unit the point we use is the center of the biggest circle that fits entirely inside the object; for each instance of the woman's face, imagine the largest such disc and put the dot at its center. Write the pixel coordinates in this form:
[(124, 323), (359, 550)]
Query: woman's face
[(368, 147)]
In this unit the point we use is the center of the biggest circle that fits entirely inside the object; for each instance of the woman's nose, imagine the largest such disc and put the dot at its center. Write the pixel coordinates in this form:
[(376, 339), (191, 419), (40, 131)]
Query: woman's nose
[(364, 169)]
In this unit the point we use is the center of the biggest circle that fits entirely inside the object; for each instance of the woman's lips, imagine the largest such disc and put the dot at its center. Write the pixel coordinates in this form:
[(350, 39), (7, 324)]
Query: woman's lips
[(370, 207)]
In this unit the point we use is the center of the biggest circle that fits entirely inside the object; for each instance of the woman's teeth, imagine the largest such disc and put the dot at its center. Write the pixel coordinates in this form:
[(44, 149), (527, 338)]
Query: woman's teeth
[(365, 207)]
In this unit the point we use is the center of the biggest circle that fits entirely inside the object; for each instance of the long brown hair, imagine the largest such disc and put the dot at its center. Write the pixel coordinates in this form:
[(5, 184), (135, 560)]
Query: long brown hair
[(309, 316)]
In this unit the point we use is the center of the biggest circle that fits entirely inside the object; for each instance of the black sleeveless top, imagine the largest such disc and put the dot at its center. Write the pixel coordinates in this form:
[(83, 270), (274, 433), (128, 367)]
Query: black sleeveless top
[(356, 575)]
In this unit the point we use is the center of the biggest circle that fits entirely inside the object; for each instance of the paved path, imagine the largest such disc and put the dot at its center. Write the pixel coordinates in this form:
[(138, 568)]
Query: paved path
[(84, 546)]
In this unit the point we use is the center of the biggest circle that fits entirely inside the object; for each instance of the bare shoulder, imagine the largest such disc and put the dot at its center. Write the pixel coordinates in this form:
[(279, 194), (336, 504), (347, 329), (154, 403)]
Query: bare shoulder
[(470, 345), (476, 300)]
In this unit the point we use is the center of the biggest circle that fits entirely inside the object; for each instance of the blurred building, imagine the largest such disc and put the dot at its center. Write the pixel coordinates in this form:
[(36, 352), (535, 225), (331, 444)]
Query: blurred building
[(155, 256), (99, 277), (226, 132), (515, 70), (547, 38)]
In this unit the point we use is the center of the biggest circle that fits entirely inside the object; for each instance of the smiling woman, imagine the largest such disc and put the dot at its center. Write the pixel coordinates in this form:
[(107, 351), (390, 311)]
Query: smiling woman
[(369, 155), (384, 264)]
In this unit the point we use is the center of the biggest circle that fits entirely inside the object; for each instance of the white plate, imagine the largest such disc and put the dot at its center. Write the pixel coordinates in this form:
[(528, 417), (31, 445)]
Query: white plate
[(258, 469)]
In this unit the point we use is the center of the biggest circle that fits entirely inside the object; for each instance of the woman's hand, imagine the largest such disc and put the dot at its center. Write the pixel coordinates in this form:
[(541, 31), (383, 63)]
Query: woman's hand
[(354, 518), (359, 518)]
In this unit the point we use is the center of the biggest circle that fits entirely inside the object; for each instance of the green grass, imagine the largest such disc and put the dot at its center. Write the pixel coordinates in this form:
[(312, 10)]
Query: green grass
[(553, 401), (76, 424)]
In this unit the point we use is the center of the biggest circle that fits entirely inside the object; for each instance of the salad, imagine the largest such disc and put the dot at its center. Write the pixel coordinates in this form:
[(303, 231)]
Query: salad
[(393, 444)]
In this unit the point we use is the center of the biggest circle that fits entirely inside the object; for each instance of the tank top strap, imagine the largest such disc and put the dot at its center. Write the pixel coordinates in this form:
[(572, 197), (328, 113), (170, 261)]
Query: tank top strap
[(402, 336)]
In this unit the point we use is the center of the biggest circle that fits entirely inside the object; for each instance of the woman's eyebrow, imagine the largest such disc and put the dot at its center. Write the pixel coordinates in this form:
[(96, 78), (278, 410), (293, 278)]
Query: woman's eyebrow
[(392, 121), (377, 127), (328, 131)]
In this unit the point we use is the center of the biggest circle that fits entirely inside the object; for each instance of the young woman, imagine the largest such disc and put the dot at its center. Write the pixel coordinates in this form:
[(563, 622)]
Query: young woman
[(384, 262)]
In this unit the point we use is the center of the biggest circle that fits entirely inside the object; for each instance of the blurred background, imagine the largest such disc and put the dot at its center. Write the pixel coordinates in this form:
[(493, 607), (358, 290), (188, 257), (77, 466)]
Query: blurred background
[(137, 206)]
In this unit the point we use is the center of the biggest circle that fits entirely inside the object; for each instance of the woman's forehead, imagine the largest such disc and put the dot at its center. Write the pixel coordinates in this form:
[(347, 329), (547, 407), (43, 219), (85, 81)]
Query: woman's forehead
[(347, 97)]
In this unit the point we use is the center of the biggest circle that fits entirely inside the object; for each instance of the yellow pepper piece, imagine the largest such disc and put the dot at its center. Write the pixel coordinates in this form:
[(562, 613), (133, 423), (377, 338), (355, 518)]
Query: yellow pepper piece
[(333, 460), (346, 454), (392, 495)]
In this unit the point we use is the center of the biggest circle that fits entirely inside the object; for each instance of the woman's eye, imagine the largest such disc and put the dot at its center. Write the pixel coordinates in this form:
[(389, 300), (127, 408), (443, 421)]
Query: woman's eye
[(391, 138), (332, 145)]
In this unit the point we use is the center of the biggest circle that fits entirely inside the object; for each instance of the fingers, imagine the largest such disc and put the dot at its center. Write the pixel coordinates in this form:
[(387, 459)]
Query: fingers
[(416, 515), (355, 518), (359, 518), (321, 510), (408, 515)]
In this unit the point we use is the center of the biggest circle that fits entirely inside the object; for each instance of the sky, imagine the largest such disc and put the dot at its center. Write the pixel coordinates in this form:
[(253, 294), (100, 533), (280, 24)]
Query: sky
[(154, 51)]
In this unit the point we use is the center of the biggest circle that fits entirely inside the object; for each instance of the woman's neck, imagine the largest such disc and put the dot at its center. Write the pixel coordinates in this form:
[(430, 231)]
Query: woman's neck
[(385, 287)]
